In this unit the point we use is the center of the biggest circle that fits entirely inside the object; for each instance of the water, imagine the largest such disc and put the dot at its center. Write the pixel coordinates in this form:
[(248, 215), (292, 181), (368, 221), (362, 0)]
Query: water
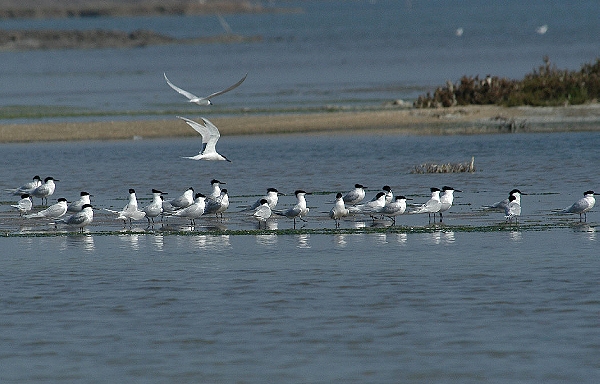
[(334, 53), (433, 303), (470, 300)]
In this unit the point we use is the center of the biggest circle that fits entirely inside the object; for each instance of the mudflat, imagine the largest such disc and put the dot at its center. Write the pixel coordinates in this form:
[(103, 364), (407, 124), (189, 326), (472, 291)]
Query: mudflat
[(455, 120)]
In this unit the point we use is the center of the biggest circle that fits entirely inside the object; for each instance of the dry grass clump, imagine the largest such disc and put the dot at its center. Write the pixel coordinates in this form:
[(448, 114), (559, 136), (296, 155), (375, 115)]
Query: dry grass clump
[(468, 166)]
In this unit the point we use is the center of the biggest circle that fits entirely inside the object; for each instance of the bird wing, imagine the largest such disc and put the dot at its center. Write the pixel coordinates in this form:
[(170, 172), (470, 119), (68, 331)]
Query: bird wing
[(213, 136), (183, 92), (76, 219), (577, 207), (204, 131), (226, 89)]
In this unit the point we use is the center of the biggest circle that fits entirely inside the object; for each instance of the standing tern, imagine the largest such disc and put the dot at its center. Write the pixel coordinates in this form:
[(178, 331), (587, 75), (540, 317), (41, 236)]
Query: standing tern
[(80, 219), (203, 100), (372, 207), (27, 187), (45, 190), (299, 210), (77, 206), (583, 205), (339, 210), (446, 199), (218, 205), (262, 213), (194, 211), (501, 205), (512, 210), (433, 205), (155, 208), (356, 195), (210, 135), (272, 198), (54, 211), (24, 205), (182, 201), (216, 188), (130, 211), (395, 208)]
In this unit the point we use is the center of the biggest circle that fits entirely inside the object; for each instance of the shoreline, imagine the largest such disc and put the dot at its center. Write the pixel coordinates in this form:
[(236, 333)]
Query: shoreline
[(409, 121)]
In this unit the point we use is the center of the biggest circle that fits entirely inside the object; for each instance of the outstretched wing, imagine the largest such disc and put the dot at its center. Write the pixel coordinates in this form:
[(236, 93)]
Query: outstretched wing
[(213, 135), (183, 92), (204, 131), (226, 89)]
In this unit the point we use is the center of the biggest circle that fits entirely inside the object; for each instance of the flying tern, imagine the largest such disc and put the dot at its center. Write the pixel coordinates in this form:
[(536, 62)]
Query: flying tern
[(210, 135), (203, 100)]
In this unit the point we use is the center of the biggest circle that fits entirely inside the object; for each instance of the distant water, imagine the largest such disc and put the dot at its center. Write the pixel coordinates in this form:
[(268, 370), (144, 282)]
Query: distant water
[(342, 53), (440, 305)]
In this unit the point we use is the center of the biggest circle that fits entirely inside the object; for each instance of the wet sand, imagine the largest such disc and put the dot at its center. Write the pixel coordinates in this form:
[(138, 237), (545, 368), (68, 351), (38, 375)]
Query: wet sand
[(457, 120)]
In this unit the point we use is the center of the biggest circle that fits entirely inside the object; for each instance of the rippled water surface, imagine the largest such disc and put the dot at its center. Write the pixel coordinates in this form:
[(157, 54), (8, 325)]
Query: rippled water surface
[(469, 300)]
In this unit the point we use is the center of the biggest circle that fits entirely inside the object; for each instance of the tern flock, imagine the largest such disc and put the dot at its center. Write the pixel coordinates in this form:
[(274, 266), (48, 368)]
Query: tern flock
[(192, 206)]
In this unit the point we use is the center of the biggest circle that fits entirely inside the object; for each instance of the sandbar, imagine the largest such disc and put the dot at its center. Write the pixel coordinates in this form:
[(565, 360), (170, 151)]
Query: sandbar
[(410, 121)]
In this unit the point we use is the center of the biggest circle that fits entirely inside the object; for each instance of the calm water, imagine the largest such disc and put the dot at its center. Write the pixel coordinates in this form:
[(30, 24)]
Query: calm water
[(440, 305), (333, 53), (446, 305)]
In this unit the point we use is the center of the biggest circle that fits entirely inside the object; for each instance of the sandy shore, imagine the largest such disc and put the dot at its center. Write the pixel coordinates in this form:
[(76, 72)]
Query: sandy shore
[(458, 120)]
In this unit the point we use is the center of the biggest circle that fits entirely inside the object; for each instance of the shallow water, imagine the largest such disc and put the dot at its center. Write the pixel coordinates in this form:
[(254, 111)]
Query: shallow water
[(471, 300), (334, 53)]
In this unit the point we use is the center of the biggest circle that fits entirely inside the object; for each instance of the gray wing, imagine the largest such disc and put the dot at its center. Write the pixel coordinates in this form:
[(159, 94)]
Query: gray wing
[(179, 90), (226, 89)]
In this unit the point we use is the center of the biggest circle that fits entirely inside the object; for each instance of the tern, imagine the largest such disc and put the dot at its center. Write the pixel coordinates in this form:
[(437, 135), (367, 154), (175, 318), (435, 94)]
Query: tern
[(24, 205), (446, 199), (182, 201), (583, 205), (27, 187), (218, 205), (45, 190), (155, 208), (395, 208), (433, 205), (80, 219), (54, 211), (210, 135), (130, 211), (513, 209), (299, 210), (262, 213), (203, 100), (356, 195), (216, 188), (372, 207), (339, 210), (501, 205), (272, 198), (77, 206), (193, 211)]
